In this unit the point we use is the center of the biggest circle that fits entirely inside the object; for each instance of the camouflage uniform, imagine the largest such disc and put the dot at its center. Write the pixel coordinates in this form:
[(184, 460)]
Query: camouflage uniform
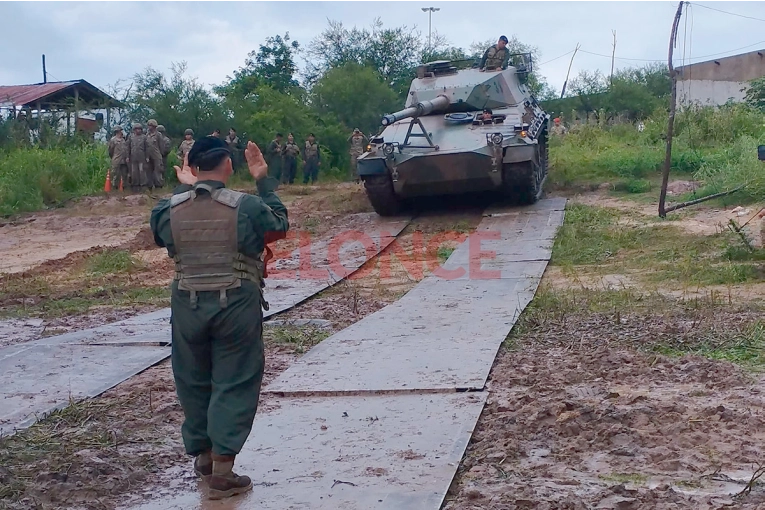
[(312, 159), (118, 153), (495, 57), (274, 159), (233, 146), (558, 130), (185, 146), (290, 154), (138, 158), (357, 140), (155, 143), (165, 145)]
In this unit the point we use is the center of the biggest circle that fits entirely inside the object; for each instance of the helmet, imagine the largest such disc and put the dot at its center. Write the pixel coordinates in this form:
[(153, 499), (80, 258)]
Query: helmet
[(116, 128), (152, 122), (356, 130), (161, 128), (189, 132), (137, 126)]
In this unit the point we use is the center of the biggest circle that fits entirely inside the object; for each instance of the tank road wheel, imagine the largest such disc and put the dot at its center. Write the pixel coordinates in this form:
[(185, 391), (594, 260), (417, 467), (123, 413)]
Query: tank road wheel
[(522, 182), (380, 192)]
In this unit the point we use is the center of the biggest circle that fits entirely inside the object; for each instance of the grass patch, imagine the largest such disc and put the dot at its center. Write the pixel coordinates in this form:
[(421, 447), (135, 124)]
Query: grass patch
[(112, 262), (301, 338), (444, 252), (633, 478)]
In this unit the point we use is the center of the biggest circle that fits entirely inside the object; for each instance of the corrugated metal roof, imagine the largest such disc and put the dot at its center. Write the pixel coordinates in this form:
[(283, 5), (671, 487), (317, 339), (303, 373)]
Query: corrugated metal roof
[(22, 94)]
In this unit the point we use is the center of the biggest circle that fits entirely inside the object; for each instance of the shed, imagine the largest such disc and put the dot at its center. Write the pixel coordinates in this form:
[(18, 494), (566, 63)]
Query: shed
[(70, 96)]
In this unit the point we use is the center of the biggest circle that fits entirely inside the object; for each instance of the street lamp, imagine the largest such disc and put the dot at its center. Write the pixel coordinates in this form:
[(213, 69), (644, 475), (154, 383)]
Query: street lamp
[(430, 11)]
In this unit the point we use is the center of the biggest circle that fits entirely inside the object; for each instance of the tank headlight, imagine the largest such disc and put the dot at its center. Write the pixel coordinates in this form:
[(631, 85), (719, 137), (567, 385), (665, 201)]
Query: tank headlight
[(388, 149), (497, 138), (523, 134)]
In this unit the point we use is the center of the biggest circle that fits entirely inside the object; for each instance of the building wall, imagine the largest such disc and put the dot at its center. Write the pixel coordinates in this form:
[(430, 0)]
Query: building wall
[(709, 92), (717, 81)]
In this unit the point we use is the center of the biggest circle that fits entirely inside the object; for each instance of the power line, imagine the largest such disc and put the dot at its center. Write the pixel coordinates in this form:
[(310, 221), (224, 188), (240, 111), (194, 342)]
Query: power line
[(556, 58), (663, 59), (726, 12)]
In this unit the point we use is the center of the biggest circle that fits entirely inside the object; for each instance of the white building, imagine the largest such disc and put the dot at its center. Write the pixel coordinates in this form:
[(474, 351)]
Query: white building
[(715, 82)]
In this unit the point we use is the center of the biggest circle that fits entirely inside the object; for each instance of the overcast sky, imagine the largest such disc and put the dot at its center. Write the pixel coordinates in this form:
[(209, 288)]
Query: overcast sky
[(102, 42)]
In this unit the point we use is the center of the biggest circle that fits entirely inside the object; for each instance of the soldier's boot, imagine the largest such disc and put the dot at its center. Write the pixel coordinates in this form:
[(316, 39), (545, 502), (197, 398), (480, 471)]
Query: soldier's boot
[(203, 465), (224, 483)]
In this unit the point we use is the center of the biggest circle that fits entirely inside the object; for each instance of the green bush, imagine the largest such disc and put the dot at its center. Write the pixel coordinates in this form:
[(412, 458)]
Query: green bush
[(32, 178)]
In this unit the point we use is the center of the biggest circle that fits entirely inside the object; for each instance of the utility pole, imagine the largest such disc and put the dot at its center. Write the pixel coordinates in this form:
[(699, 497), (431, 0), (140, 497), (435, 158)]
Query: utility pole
[(45, 74), (671, 123), (430, 11), (562, 92), (613, 56)]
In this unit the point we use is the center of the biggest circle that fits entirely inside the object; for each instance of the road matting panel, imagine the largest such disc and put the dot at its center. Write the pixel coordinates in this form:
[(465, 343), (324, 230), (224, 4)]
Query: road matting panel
[(40, 376), (361, 453), (372, 417)]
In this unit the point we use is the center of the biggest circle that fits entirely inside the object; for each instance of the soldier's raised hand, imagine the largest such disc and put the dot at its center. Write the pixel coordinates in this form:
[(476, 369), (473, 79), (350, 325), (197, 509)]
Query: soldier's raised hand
[(184, 174), (255, 161)]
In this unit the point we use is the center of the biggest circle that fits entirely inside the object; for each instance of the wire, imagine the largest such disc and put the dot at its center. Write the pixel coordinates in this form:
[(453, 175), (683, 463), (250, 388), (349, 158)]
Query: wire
[(726, 12), (556, 58), (663, 59)]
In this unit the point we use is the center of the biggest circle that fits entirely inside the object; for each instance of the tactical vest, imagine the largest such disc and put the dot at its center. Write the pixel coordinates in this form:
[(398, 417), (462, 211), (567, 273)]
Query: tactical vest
[(495, 57), (207, 257), (311, 150)]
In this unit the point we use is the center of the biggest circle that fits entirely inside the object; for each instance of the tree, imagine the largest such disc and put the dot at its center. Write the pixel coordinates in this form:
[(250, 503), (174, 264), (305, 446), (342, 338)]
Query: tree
[(393, 52), (273, 64), (178, 103), (355, 95), (755, 94)]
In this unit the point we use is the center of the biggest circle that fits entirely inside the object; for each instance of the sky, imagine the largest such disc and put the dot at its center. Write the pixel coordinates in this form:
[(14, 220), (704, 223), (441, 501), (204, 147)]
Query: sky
[(103, 42)]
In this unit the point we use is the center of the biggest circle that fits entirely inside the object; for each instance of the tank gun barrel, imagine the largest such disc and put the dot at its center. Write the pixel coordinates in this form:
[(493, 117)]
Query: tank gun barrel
[(423, 108)]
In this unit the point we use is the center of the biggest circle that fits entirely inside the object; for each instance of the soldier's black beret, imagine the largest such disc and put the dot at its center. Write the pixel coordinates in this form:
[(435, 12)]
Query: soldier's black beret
[(207, 153)]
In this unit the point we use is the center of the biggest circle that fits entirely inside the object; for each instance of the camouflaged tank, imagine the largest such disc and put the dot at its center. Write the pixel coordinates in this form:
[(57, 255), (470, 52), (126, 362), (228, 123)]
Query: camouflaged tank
[(462, 130)]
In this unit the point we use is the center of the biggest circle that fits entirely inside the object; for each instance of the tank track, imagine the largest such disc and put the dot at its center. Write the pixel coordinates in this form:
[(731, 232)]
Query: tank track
[(523, 182), (379, 189)]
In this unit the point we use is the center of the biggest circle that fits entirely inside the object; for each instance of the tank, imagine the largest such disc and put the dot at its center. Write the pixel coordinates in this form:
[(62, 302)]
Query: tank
[(462, 130)]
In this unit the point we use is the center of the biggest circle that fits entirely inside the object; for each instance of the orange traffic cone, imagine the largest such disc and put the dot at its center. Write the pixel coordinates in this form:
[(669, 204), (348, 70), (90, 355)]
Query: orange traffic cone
[(108, 183), (121, 190)]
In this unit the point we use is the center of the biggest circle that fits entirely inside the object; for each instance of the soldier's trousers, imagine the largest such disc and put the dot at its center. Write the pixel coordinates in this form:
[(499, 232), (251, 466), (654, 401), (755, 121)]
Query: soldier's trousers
[(275, 168), (354, 164), (290, 170), (156, 175), (120, 172), (218, 363), (138, 176), (310, 169)]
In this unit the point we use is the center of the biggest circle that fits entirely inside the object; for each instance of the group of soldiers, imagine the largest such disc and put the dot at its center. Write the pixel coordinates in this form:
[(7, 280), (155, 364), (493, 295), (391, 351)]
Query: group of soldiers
[(139, 161), (282, 159)]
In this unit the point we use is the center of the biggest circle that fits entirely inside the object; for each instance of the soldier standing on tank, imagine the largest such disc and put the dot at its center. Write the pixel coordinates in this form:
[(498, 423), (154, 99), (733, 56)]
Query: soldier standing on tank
[(155, 143), (138, 158), (118, 153), (186, 144), (558, 129), (496, 56), (290, 153), (357, 140), (311, 159), (216, 316), (274, 157), (165, 147)]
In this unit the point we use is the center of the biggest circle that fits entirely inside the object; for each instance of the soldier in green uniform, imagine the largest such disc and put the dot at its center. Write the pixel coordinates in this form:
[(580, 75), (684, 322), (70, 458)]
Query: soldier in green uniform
[(311, 159), (165, 147), (496, 56), (290, 153), (357, 140), (217, 238), (274, 157)]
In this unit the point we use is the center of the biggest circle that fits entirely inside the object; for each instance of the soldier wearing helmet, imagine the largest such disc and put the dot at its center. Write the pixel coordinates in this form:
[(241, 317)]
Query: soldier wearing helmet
[(117, 154), (165, 145), (186, 144), (496, 56), (155, 144), (138, 158)]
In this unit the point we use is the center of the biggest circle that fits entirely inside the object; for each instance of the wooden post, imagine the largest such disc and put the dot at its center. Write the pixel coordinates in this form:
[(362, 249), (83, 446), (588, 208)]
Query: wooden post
[(108, 119), (563, 91), (76, 108), (613, 56), (671, 122)]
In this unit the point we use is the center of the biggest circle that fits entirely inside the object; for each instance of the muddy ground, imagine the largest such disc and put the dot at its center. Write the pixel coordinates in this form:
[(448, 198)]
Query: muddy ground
[(613, 391)]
